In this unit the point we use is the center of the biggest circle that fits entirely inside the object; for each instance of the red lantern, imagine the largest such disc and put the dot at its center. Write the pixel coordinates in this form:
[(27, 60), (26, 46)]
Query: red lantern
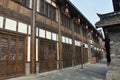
[(66, 11), (78, 20), (92, 31), (86, 27)]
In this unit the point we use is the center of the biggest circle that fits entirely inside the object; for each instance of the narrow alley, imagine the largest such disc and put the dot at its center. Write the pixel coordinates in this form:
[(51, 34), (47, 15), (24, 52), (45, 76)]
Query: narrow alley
[(51, 39), (89, 72)]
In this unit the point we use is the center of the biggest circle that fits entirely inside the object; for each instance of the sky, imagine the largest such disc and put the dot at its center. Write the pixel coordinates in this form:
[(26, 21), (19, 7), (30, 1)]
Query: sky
[(90, 8)]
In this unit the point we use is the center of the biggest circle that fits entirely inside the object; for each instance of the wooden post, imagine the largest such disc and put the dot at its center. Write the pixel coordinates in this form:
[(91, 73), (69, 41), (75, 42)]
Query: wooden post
[(59, 41), (32, 42), (82, 48), (73, 45)]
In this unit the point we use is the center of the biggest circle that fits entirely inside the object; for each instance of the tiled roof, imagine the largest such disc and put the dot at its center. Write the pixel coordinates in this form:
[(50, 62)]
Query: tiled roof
[(108, 19)]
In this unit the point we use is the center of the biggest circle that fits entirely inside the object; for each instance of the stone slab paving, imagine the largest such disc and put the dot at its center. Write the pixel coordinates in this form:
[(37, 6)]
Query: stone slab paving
[(90, 72)]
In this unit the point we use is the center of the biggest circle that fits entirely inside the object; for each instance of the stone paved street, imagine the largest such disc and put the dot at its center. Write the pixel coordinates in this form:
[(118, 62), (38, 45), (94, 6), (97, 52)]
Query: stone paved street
[(90, 72)]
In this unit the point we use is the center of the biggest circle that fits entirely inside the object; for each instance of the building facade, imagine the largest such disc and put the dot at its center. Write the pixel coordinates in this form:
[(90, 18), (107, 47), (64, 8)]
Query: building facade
[(49, 36)]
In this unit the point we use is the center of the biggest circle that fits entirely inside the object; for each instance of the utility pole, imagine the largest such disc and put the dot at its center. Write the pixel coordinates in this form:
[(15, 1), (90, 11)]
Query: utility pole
[(33, 41)]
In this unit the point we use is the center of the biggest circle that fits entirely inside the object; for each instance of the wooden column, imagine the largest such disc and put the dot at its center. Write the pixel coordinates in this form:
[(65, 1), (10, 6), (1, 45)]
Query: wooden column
[(60, 41), (82, 47), (32, 42), (73, 45)]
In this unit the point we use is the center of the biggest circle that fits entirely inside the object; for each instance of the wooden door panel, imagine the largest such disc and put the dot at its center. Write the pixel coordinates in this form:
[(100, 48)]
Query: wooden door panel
[(78, 55), (12, 58), (3, 56), (20, 57), (47, 56), (12, 62), (85, 55), (67, 55)]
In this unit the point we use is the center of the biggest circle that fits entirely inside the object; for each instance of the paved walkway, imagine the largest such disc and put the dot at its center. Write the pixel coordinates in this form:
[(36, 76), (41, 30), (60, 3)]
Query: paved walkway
[(90, 72)]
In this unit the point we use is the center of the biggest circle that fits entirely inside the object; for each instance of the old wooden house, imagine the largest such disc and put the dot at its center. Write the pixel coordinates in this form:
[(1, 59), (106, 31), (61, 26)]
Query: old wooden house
[(43, 35)]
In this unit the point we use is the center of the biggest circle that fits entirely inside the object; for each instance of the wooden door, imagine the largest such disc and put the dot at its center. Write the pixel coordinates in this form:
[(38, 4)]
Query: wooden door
[(47, 55), (20, 65), (85, 55), (12, 59), (67, 55), (78, 55), (3, 56)]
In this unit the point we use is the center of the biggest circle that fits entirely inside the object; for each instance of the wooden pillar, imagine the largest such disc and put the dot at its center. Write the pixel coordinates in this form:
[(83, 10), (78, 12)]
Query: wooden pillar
[(60, 41), (82, 47), (32, 42), (73, 45)]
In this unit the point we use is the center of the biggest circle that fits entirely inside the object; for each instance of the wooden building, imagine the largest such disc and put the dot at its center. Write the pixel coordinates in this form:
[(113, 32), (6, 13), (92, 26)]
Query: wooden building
[(49, 36)]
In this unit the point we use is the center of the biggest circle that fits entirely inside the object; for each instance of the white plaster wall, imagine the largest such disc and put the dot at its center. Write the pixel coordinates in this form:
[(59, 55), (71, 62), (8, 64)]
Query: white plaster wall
[(1, 22), (22, 27), (42, 33), (28, 55), (10, 24)]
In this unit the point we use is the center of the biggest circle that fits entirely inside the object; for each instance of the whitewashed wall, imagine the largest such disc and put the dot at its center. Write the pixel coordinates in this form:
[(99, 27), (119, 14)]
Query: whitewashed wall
[(66, 40), (77, 43), (29, 30), (30, 4), (48, 35), (10, 24), (54, 36), (42, 33), (36, 49), (22, 27), (28, 54), (1, 22)]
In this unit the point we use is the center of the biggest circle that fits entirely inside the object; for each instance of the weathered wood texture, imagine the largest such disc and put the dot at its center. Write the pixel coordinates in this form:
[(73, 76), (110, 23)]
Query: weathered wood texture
[(47, 55), (12, 56)]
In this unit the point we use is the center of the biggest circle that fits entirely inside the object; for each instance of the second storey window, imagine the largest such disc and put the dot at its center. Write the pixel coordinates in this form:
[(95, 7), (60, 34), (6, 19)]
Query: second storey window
[(23, 2), (76, 28), (65, 20), (47, 10)]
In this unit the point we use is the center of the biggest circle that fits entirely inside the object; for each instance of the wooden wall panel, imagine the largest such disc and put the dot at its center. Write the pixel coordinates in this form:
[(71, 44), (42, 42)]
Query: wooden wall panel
[(47, 55), (85, 55), (13, 56), (67, 55), (78, 55)]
